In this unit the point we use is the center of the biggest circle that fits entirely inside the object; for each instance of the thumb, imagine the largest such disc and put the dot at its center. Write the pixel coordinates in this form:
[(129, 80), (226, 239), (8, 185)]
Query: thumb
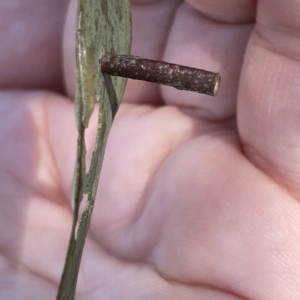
[(269, 97)]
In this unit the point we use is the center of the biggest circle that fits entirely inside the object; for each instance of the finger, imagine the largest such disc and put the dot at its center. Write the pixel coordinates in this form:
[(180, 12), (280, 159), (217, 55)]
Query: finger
[(231, 11), (198, 41), (269, 110), (30, 52), (151, 23)]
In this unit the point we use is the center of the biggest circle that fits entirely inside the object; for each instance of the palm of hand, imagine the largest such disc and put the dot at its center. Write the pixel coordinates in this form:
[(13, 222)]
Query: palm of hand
[(189, 206)]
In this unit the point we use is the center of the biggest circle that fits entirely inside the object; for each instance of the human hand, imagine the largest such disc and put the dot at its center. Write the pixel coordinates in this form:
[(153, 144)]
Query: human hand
[(198, 197)]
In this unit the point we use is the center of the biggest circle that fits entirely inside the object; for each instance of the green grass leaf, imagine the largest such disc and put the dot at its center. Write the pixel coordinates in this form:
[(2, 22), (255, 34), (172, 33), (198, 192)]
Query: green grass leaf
[(102, 25)]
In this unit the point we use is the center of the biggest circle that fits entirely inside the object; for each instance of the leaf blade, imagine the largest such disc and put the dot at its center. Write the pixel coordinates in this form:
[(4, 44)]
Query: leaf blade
[(100, 25)]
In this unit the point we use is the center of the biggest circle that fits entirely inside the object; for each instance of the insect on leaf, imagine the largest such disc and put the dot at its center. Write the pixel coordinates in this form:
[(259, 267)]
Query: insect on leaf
[(102, 26)]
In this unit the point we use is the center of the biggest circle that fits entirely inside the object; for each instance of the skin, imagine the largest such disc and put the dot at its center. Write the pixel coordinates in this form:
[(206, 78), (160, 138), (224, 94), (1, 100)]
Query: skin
[(198, 197)]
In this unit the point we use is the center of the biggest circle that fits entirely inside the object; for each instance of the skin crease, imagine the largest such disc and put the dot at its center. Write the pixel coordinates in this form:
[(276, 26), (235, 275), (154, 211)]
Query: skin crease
[(199, 196)]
